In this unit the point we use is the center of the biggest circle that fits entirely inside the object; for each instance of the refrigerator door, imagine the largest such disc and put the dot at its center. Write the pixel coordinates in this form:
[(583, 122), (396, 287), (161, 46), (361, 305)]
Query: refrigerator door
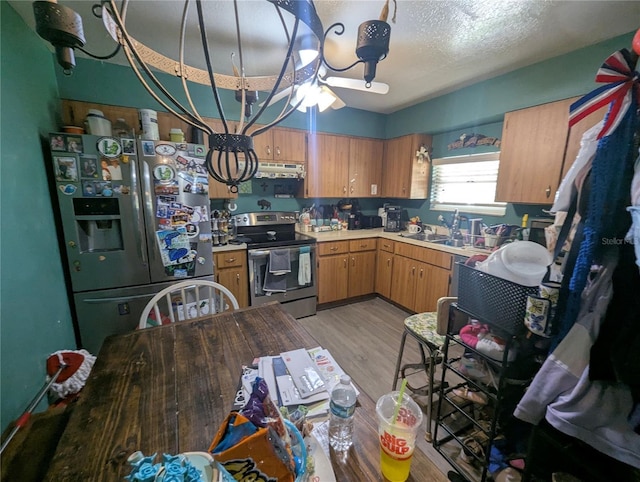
[(99, 200), (176, 207), (110, 312)]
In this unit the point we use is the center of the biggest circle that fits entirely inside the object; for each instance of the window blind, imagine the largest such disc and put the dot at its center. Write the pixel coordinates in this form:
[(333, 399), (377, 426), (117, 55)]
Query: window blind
[(467, 183)]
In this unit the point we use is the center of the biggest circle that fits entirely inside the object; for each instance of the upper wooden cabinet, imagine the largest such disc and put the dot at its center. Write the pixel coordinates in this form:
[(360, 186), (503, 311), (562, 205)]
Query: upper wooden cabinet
[(327, 166), (406, 175), (280, 144), (537, 149), (340, 166), (365, 167)]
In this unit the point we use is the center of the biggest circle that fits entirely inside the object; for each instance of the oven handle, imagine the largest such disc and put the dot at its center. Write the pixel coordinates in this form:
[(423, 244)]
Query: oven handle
[(258, 253)]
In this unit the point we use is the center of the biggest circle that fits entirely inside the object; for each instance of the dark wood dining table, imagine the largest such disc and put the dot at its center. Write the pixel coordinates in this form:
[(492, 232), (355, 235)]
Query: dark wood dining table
[(168, 389)]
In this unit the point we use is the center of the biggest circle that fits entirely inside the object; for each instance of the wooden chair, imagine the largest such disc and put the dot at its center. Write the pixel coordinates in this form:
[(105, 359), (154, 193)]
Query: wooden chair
[(429, 330), (185, 300)]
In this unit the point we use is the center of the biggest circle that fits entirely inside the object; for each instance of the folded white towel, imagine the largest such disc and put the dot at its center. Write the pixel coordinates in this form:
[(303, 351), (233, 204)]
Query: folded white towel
[(304, 269)]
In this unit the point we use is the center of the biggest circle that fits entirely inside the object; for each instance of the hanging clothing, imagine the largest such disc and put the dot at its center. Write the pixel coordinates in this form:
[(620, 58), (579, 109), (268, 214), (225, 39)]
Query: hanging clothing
[(562, 393)]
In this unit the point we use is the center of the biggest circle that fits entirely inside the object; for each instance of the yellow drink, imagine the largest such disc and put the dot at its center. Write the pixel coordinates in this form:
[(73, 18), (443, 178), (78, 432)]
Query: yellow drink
[(394, 469)]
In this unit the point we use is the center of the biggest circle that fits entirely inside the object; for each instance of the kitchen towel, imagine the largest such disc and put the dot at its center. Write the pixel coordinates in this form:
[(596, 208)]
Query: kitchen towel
[(279, 261), (304, 267)]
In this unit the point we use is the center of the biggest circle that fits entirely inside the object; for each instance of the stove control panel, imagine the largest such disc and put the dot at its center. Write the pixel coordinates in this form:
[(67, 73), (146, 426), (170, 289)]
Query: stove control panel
[(265, 219)]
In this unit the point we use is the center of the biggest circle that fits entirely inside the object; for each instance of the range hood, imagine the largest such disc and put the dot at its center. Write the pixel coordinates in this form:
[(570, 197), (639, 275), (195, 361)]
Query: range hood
[(274, 170)]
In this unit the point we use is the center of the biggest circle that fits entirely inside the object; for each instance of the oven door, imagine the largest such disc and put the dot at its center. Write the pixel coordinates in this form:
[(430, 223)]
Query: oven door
[(296, 284)]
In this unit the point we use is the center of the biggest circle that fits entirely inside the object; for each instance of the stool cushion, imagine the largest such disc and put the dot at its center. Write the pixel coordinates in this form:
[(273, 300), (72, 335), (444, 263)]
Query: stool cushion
[(424, 326)]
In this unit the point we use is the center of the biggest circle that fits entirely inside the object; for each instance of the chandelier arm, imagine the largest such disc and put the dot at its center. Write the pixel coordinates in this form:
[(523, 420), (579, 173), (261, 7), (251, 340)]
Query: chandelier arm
[(243, 91), (276, 86), (130, 49), (339, 30), (207, 56), (183, 78), (188, 119)]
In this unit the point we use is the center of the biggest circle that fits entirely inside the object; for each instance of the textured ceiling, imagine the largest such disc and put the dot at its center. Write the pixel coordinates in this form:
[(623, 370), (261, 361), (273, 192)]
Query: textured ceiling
[(436, 46)]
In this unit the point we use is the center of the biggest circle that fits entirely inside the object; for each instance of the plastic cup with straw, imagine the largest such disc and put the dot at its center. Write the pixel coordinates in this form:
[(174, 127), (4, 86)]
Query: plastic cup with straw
[(398, 422)]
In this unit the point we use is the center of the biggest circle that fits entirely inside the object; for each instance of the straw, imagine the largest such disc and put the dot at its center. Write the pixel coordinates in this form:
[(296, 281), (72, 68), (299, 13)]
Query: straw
[(395, 414)]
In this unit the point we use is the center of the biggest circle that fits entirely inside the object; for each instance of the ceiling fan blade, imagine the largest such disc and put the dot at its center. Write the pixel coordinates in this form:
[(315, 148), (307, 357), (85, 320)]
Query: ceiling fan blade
[(356, 84), (338, 103), (279, 96)]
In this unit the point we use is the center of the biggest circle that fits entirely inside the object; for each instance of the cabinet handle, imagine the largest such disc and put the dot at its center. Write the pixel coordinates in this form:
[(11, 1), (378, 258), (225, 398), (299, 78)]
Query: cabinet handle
[(335, 248), (421, 272), (353, 261), (548, 191), (238, 279), (413, 271), (363, 245), (386, 245), (351, 189), (229, 260), (389, 262), (344, 261), (269, 150), (278, 151), (344, 189)]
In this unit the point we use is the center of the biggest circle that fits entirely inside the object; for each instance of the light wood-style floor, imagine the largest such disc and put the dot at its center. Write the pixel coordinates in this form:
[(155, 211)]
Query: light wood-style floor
[(364, 338)]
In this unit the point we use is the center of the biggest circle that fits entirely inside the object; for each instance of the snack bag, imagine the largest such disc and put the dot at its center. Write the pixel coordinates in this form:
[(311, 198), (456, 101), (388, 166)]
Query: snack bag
[(255, 445)]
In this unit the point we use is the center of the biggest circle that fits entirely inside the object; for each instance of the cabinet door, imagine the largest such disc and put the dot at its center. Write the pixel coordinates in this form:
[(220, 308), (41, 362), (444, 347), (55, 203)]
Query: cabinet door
[(362, 273), (333, 278), (432, 283), (384, 267), (289, 145), (532, 152), (328, 166), (236, 280), (365, 167), (403, 281), (263, 145), (405, 176)]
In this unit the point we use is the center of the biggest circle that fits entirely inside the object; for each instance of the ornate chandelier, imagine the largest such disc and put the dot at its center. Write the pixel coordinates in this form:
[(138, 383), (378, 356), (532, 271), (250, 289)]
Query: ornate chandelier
[(231, 158)]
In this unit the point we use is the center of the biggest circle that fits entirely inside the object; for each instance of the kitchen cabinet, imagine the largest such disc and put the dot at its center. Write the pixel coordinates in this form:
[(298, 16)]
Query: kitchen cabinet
[(281, 145), (231, 271), (346, 269), (384, 267), (327, 166), (340, 166), (537, 149), (365, 167), (420, 276), (406, 174)]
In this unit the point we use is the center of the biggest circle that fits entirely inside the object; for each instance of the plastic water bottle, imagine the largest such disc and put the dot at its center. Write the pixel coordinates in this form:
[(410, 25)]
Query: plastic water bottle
[(343, 407)]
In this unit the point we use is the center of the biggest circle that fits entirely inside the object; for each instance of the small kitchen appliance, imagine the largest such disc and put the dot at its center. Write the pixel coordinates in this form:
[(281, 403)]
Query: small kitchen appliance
[(370, 222), (394, 219)]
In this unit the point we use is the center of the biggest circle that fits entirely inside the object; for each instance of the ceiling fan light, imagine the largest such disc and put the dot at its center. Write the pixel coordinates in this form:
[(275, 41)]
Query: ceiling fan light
[(325, 99), (307, 56)]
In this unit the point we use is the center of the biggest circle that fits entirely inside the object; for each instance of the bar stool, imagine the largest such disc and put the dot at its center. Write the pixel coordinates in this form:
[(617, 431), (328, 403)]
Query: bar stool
[(429, 330)]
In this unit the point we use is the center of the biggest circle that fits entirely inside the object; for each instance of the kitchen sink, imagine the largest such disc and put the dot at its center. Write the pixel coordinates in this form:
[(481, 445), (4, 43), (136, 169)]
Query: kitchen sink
[(428, 236)]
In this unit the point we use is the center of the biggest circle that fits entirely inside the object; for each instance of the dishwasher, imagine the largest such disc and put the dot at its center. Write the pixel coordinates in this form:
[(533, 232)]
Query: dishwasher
[(455, 273)]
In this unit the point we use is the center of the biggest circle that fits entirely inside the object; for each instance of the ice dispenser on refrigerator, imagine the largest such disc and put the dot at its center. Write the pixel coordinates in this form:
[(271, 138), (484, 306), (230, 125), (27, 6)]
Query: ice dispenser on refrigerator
[(98, 224)]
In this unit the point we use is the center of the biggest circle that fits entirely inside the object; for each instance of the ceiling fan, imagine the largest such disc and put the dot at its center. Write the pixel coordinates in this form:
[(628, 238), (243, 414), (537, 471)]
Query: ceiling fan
[(319, 92)]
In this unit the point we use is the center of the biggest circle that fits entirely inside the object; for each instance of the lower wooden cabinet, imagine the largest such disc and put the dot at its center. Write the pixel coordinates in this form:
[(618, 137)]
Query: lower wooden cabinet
[(346, 269), (417, 282), (231, 272), (384, 267)]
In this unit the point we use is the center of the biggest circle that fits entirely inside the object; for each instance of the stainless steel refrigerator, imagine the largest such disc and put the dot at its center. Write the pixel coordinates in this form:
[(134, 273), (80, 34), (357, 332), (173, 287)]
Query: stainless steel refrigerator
[(135, 218)]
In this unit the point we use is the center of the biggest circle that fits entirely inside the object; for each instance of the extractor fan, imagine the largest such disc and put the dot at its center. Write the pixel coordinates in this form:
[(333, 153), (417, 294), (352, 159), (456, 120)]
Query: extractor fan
[(319, 92)]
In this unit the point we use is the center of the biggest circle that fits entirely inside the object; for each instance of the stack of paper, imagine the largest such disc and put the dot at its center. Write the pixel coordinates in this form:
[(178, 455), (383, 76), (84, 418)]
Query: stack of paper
[(298, 377)]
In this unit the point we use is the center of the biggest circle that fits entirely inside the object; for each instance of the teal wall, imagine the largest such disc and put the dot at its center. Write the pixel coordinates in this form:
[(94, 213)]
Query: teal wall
[(34, 312)]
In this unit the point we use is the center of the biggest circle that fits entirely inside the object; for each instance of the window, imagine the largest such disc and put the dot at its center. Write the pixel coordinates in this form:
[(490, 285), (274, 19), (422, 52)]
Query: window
[(467, 183)]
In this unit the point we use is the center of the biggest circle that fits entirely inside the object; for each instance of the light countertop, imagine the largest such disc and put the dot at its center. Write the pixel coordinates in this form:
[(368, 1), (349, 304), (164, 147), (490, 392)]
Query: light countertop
[(348, 235)]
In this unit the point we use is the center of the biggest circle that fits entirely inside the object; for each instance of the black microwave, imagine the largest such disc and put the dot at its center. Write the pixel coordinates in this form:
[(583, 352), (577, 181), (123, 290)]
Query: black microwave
[(536, 230)]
